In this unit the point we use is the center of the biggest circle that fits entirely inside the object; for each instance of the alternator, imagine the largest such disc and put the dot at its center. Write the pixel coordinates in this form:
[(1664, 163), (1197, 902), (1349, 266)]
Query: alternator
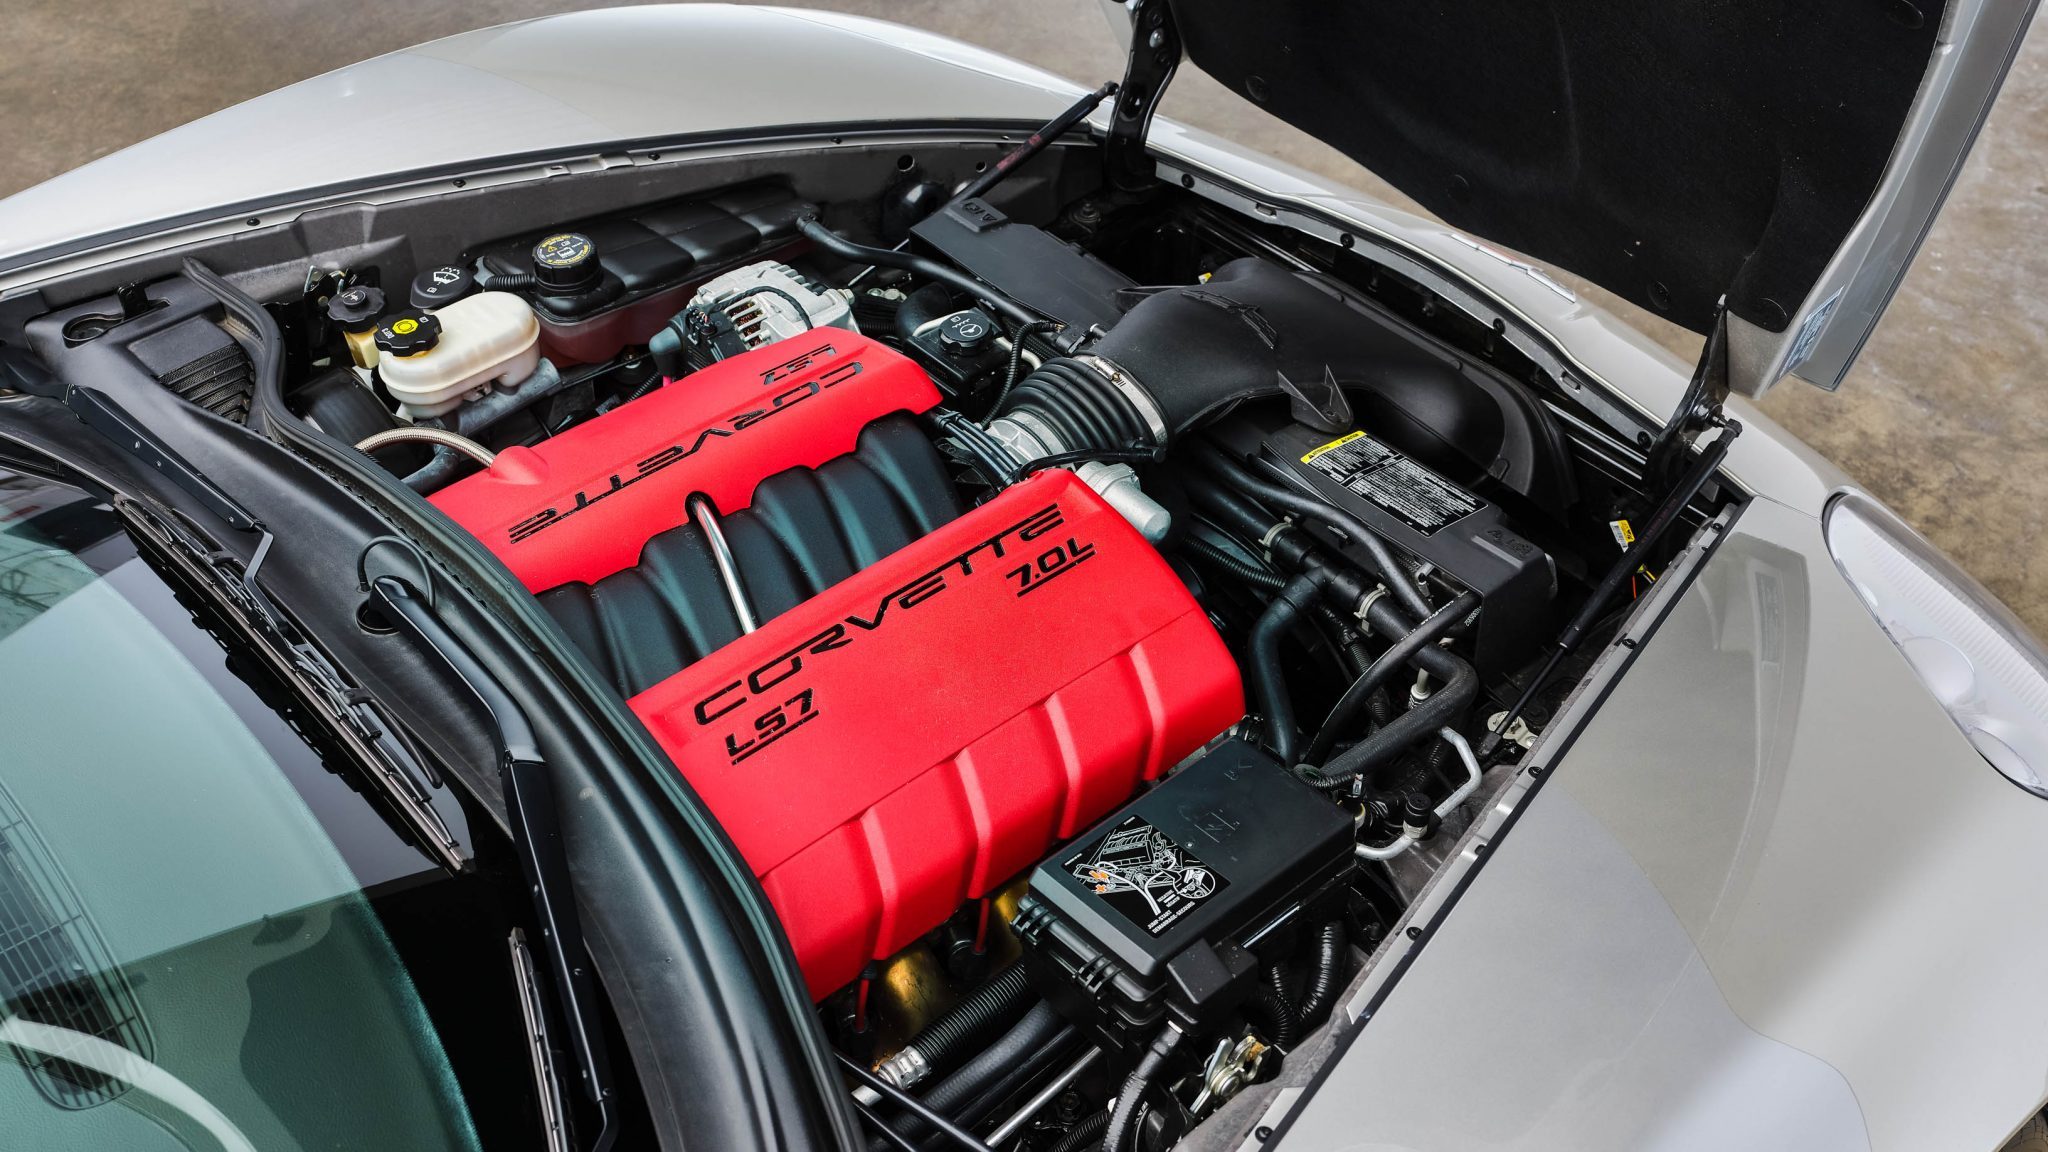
[(760, 304)]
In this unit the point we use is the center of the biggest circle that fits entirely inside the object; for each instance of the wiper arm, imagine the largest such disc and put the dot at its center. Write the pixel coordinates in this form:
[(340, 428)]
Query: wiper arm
[(537, 836), (353, 716)]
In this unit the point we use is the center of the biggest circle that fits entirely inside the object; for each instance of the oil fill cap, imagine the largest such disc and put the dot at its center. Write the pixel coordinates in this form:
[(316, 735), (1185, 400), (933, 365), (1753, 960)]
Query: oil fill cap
[(440, 287), (966, 333), (409, 333), (565, 264), (356, 309)]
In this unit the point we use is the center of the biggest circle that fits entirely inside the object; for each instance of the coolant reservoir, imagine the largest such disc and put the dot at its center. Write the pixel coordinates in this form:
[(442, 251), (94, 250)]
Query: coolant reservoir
[(433, 361)]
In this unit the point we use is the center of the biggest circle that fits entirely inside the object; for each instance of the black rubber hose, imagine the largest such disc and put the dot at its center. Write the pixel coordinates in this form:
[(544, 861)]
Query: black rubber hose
[(1323, 975), (1230, 511), (1269, 686), (1352, 655), (1344, 712), (1005, 1087), (908, 261), (922, 307), (1290, 499), (1269, 1009), (1029, 1034), (916, 1108), (1123, 1120), (1036, 1030), (1443, 708), (1258, 577), (1379, 709), (1290, 1030), (995, 1005), (493, 281), (1086, 1133)]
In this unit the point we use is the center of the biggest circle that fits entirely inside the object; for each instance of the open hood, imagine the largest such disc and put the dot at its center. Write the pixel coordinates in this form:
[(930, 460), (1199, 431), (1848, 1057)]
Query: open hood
[(1786, 157)]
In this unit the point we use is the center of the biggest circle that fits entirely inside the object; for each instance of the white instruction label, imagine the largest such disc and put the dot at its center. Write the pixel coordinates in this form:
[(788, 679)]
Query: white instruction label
[(1413, 494)]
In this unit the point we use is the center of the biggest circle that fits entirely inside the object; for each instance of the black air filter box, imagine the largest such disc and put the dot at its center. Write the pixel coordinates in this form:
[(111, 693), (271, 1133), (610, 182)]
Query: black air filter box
[(1160, 907), (1438, 521)]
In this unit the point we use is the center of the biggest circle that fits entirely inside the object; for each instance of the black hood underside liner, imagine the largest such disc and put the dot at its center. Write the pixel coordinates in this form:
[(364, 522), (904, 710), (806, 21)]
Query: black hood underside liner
[(1669, 152)]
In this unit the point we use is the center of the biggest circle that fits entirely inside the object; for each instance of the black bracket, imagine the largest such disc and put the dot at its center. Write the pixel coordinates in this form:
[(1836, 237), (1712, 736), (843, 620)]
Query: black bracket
[(1155, 53), (103, 414)]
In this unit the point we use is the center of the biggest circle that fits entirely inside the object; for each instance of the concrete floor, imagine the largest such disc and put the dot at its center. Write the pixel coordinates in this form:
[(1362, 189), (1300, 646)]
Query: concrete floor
[(1944, 417)]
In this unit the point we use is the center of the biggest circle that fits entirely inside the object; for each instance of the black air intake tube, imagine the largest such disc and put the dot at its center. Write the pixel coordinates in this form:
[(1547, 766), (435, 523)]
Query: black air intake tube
[(1080, 408), (1186, 354)]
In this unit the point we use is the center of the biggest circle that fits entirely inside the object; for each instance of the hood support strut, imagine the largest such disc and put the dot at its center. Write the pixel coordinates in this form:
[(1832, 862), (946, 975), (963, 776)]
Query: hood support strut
[(1155, 54), (1699, 408)]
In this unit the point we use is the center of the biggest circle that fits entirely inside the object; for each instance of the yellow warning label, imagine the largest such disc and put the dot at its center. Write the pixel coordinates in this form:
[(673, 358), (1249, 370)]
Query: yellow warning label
[(1624, 532), (1332, 446), (406, 327)]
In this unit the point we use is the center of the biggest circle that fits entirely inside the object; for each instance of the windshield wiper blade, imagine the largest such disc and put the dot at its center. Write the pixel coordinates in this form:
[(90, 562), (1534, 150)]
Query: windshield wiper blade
[(536, 835), (393, 763), (540, 1050)]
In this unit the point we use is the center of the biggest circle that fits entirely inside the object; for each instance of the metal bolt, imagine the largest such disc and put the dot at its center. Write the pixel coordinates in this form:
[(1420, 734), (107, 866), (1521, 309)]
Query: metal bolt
[(1262, 1133), (1414, 933), (1069, 1107), (1157, 39)]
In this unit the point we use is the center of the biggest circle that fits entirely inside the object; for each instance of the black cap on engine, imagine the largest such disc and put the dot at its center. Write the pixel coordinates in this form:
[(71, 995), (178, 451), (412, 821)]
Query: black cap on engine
[(966, 333), (440, 287), (355, 309), (565, 264), (409, 333)]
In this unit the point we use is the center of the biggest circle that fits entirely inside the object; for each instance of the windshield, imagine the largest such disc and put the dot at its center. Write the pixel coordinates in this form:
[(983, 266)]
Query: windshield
[(203, 927)]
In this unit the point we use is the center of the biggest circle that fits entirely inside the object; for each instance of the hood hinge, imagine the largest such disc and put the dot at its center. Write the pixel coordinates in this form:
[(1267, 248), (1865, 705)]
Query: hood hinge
[(1155, 53)]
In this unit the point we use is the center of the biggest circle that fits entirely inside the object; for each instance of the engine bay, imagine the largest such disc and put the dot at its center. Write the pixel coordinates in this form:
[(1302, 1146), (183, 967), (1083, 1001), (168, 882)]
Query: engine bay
[(1093, 616)]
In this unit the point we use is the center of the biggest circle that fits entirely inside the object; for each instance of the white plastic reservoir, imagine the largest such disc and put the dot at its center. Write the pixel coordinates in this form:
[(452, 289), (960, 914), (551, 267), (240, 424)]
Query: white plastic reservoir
[(487, 339)]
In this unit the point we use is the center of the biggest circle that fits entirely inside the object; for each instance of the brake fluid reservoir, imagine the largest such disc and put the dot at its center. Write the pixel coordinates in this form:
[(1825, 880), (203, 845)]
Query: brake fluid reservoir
[(433, 361)]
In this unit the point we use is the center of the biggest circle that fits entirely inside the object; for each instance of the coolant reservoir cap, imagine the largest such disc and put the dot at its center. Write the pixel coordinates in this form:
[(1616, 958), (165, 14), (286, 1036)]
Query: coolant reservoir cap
[(409, 333), (356, 309), (565, 264)]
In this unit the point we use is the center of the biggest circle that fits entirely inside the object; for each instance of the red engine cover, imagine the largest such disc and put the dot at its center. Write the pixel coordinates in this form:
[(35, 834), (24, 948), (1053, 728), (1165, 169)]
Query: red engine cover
[(923, 731), (581, 505)]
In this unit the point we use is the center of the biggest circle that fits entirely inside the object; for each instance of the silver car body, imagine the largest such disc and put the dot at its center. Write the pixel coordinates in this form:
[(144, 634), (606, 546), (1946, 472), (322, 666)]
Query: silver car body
[(1768, 897)]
